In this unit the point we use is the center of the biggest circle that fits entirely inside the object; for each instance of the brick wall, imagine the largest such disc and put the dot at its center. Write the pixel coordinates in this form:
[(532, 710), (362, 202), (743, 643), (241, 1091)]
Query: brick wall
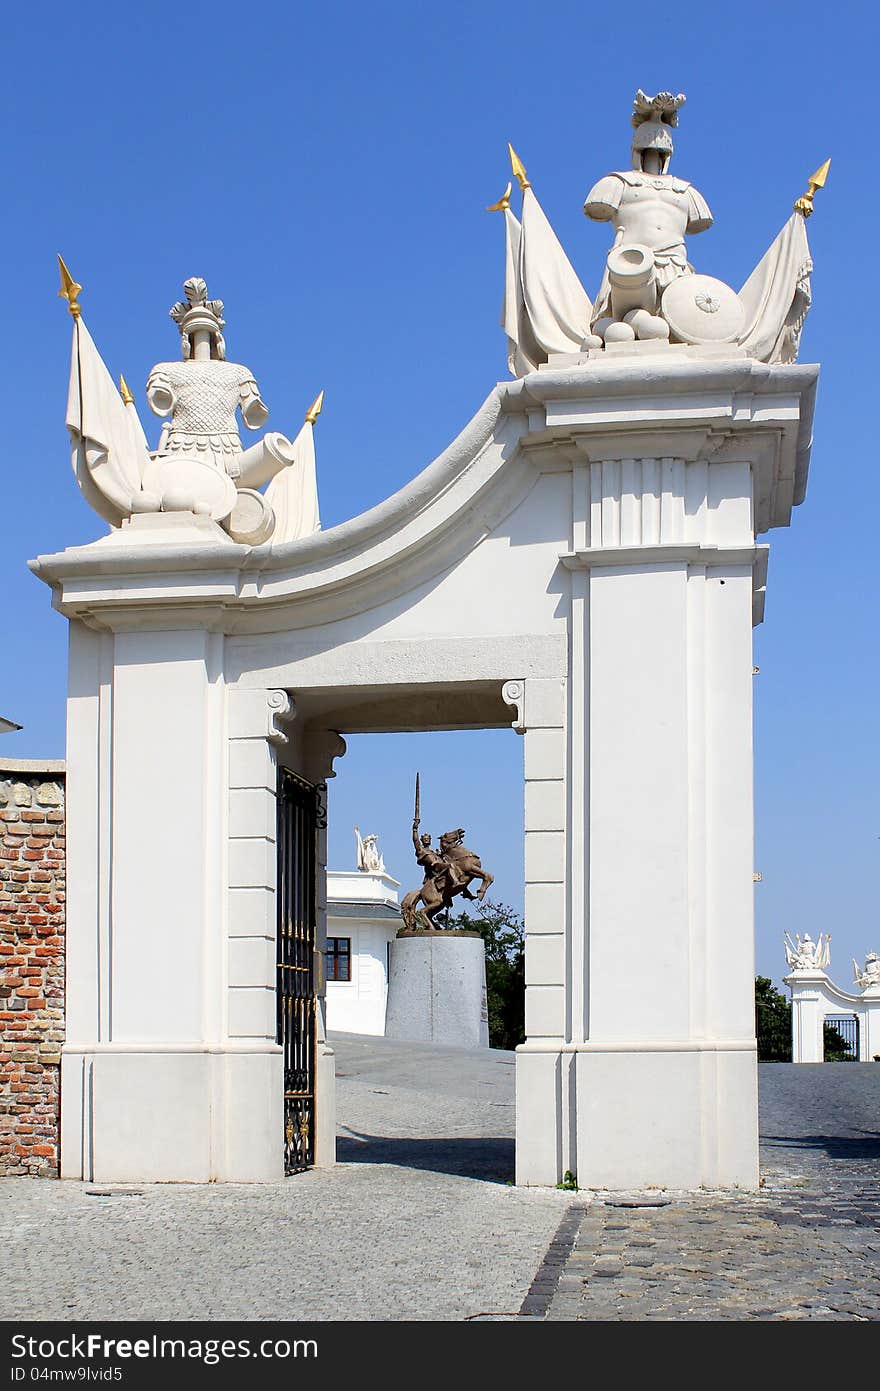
[(32, 897)]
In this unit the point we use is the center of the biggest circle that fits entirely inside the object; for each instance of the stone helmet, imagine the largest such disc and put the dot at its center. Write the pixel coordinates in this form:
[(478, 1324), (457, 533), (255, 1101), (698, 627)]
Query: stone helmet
[(199, 312), (653, 119)]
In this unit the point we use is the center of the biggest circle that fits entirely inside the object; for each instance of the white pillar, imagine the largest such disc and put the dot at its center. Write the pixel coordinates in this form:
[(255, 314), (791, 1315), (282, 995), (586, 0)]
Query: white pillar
[(809, 1006), (171, 1070), (640, 1063), (870, 1025)]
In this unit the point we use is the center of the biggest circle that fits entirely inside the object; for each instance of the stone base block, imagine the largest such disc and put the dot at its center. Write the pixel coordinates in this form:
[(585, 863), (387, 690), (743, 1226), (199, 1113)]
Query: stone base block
[(135, 1115), (638, 1118), (437, 990), (325, 1107)]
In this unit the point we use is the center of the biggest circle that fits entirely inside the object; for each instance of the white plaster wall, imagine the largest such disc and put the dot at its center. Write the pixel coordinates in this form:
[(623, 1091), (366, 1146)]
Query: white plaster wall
[(358, 1006), (168, 741)]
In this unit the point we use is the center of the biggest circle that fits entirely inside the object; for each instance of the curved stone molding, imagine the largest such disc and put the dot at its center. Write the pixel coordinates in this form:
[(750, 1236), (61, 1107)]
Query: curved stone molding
[(255, 713), (282, 709), (514, 693), (444, 512)]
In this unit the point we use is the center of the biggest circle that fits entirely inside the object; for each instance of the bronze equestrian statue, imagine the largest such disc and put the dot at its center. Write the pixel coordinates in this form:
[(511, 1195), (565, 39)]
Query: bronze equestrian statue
[(448, 873)]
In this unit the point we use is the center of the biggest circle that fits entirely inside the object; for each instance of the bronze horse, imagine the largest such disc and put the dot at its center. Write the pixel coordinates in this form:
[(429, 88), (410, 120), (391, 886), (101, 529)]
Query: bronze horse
[(447, 875)]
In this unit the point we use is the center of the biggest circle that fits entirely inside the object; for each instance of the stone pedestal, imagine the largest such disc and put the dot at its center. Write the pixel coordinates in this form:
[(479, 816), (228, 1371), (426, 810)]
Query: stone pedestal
[(437, 989)]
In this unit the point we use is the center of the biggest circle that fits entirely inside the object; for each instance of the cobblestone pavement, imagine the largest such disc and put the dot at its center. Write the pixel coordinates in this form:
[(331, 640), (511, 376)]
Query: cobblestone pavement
[(806, 1247), (418, 1219)]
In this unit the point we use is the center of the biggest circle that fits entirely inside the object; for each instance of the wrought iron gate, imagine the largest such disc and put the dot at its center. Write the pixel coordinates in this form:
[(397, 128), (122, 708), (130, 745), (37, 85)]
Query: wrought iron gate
[(298, 820), (840, 1037)]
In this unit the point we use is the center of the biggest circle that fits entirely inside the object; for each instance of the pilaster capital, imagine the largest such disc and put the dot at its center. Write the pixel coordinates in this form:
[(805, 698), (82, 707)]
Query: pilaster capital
[(260, 714), (514, 693)]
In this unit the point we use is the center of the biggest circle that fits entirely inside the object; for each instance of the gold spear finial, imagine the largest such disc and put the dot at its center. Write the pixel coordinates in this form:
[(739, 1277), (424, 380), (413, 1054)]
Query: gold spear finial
[(503, 202), (816, 181), (69, 290), (518, 168), (124, 391), (315, 408)]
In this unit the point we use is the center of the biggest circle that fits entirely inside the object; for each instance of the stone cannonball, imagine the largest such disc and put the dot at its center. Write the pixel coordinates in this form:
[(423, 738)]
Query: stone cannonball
[(619, 333)]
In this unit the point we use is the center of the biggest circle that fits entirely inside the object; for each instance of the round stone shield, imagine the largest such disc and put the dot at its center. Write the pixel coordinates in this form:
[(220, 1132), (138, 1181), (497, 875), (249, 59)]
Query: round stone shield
[(701, 309)]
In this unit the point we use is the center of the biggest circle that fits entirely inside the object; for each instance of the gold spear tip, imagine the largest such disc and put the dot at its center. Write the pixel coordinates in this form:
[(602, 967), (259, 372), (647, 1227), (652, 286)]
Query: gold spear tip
[(70, 290), (804, 204), (503, 202), (519, 172), (124, 391), (315, 408)]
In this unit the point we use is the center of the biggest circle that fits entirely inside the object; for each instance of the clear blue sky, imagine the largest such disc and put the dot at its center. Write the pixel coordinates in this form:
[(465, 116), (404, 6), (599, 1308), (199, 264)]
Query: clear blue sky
[(326, 168)]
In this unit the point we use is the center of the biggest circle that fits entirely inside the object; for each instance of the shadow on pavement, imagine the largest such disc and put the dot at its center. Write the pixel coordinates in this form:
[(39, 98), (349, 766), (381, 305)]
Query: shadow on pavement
[(480, 1158), (864, 1146)]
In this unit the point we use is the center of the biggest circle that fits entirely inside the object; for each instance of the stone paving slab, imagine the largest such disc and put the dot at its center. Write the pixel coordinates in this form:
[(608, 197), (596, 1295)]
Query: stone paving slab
[(419, 1220), (360, 1241)]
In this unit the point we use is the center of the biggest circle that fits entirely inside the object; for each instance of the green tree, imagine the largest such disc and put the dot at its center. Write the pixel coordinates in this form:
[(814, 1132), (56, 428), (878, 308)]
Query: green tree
[(772, 1022), (503, 934)]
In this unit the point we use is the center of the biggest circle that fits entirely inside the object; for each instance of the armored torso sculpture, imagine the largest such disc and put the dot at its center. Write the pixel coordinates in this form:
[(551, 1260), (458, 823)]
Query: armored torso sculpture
[(651, 211), (203, 391), (199, 466)]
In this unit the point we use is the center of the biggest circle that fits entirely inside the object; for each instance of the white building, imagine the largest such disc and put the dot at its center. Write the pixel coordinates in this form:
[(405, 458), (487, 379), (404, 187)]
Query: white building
[(363, 917)]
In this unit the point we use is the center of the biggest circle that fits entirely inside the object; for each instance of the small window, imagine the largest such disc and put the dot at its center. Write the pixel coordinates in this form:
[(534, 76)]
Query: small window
[(338, 957)]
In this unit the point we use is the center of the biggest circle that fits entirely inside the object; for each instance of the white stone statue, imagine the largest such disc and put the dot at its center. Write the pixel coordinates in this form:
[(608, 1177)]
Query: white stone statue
[(199, 466), (649, 290), (804, 954), (869, 978), (202, 392), (369, 860), (651, 211)]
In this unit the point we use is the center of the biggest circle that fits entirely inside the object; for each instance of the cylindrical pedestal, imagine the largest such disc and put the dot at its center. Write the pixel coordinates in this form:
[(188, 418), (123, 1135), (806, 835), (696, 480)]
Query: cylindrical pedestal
[(437, 989)]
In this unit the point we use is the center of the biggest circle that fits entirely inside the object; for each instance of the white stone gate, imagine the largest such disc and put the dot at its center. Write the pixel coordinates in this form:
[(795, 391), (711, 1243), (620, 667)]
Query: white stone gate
[(580, 563)]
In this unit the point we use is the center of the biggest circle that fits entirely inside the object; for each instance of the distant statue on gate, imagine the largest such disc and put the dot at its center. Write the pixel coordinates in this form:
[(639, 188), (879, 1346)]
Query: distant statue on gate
[(369, 859), (870, 976), (448, 873), (804, 954)]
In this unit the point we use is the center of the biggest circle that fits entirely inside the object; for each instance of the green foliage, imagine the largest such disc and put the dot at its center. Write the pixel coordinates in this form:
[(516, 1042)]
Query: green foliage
[(772, 1022), (503, 934), (569, 1182)]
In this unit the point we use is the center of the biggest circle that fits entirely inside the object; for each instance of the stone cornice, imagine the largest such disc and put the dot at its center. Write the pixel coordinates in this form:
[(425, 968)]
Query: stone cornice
[(690, 553), (544, 422)]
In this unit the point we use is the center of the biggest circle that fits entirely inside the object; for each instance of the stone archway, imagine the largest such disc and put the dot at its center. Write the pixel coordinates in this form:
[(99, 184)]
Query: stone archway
[(582, 562)]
